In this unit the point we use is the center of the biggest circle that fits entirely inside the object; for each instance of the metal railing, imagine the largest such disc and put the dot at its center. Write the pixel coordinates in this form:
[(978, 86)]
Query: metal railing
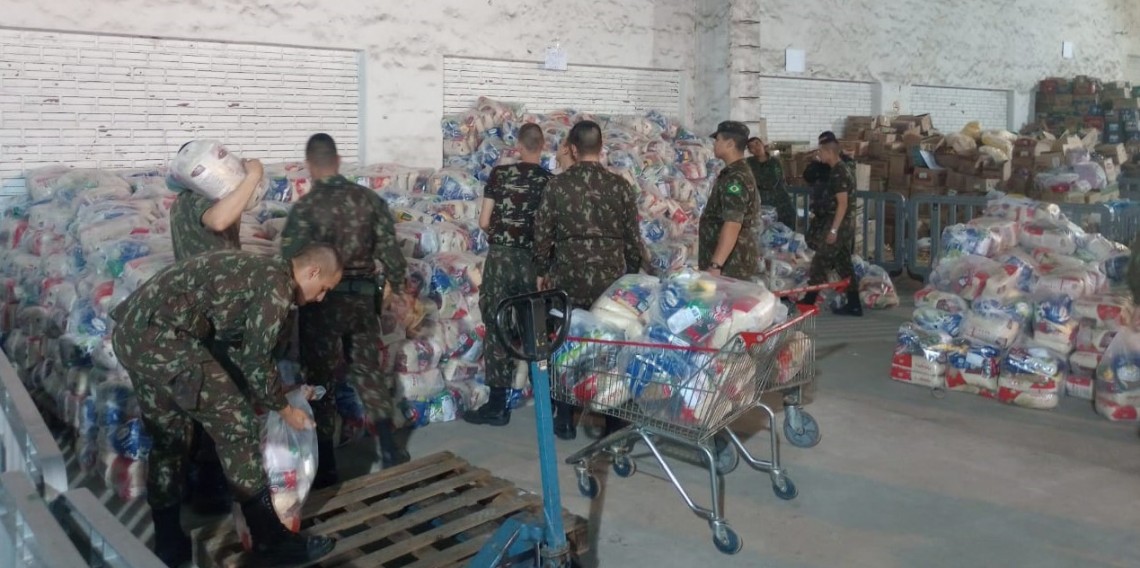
[(1116, 220), (938, 211), (876, 211), (100, 536), (26, 443), (30, 536)]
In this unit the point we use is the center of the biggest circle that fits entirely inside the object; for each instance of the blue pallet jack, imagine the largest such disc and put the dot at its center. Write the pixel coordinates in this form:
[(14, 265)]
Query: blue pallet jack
[(532, 327)]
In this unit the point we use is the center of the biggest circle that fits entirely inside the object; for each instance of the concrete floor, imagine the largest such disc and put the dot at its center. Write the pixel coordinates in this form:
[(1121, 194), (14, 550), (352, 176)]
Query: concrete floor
[(901, 479)]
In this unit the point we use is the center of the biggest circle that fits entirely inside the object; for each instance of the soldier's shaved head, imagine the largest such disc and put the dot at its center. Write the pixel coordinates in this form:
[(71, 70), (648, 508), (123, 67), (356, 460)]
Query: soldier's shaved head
[(321, 256), (531, 137), (320, 152), (317, 268), (586, 138)]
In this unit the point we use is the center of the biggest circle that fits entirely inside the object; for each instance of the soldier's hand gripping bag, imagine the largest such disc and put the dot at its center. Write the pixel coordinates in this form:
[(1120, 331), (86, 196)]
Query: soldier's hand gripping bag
[(290, 458)]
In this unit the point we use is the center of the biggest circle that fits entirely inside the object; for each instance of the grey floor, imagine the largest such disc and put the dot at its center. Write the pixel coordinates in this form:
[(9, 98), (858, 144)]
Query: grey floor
[(901, 479)]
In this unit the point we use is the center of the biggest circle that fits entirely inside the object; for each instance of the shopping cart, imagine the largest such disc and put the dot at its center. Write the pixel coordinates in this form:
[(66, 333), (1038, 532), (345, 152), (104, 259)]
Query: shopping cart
[(689, 396)]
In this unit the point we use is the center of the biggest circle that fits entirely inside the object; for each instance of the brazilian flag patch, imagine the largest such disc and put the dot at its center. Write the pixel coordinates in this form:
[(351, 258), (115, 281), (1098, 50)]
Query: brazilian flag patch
[(734, 188)]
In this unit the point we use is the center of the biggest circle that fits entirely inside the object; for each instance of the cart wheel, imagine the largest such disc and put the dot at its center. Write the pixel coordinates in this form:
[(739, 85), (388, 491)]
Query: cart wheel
[(726, 539), (624, 466), (808, 434), (593, 431), (588, 486), (726, 456), (784, 488)]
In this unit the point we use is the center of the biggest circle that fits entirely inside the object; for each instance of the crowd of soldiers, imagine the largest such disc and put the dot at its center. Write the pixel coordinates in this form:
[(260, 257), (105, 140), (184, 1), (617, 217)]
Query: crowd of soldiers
[(201, 339)]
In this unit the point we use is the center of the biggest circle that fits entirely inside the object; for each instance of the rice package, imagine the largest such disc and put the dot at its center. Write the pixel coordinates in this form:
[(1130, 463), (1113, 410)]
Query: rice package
[(1051, 235), (1092, 337), (973, 368), (795, 350), (920, 356), (208, 168), (1117, 406), (422, 385), (996, 329), (930, 297), (414, 355), (960, 240), (631, 297), (1022, 209), (1072, 281), (1112, 311), (933, 319), (974, 276), (1031, 377), (1080, 383)]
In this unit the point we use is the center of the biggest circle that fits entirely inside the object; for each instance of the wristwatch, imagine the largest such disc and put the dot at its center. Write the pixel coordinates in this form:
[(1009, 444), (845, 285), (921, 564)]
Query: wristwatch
[(834, 232), (716, 266)]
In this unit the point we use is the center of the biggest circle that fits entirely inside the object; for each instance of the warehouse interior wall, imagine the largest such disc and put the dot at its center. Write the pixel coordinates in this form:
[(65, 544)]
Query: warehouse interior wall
[(402, 47), (712, 103)]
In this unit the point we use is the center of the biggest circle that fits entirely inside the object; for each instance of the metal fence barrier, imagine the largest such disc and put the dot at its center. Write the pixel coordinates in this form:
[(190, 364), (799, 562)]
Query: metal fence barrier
[(30, 536), (875, 208), (938, 211), (1129, 188), (1116, 220), (100, 536), (26, 444)]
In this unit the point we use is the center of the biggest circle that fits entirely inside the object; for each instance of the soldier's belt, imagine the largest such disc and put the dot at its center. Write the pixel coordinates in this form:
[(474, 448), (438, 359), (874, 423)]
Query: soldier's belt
[(360, 287)]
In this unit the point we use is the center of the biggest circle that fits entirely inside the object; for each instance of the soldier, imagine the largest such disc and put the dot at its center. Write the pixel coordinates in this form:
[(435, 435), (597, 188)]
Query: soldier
[(586, 234), (509, 205), (199, 225), (832, 232), (1134, 270), (728, 243), (162, 337), (770, 182), (346, 326)]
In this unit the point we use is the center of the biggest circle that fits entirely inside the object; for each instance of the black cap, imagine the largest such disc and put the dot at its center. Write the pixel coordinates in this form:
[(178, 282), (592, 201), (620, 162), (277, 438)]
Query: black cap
[(732, 127), (827, 137)]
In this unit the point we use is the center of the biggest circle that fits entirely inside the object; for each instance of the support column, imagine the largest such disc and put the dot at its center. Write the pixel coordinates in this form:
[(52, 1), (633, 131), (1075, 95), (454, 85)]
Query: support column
[(745, 66)]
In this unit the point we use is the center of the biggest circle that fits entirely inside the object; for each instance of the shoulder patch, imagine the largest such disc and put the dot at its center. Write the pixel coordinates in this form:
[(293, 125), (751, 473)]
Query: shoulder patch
[(734, 188)]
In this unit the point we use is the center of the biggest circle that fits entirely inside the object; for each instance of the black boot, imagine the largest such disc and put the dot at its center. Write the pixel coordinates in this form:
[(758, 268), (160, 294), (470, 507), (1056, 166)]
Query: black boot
[(274, 543), (171, 544), (808, 299), (854, 306), (326, 465), (211, 495), (392, 453), (564, 421), (494, 413)]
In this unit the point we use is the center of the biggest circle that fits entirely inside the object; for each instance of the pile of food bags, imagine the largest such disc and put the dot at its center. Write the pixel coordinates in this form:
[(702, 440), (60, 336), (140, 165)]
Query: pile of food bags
[(1022, 306)]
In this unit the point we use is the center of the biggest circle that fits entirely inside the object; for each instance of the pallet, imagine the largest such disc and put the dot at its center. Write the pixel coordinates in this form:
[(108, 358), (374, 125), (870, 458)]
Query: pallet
[(432, 512)]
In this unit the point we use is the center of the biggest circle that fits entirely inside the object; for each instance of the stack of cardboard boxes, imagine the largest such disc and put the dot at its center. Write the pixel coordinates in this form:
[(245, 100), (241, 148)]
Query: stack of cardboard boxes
[(1084, 102)]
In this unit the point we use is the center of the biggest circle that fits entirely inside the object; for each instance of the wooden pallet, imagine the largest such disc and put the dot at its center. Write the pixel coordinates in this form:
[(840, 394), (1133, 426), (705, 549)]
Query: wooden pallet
[(432, 512)]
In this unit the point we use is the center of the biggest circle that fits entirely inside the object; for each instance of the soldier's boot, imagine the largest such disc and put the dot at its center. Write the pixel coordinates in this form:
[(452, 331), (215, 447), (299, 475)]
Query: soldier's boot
[(392, 452), (326, 465), (171, 545), (564, 421), (274, 543), (211, 495), (808, 299), (494, 413), (854, 306)]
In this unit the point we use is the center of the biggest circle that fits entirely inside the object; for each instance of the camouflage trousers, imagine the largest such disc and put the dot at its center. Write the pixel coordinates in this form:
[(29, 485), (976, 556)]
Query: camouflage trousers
[(508, 272), (177, 380), (344, 329), (830, 257)]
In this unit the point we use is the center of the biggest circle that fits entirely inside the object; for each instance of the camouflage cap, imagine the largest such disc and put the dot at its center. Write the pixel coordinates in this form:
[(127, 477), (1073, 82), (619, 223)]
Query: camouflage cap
[(732, 127)]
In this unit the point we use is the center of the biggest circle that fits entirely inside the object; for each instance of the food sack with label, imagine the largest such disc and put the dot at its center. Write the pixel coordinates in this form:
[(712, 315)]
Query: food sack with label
[(974, 368), (920, 356), (206, 167)]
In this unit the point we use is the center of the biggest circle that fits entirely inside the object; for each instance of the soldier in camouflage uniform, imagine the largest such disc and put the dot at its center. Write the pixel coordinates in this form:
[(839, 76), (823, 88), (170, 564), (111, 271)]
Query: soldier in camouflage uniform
[(199, 225), (1134, 270), (728, 243), (832, 232), (509, 204), (346, 326), (162, 337), (770, 182), (586, 233)]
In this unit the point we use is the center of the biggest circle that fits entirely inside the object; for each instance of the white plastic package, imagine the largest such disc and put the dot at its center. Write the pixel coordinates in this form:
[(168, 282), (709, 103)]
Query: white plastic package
[(208, 168)]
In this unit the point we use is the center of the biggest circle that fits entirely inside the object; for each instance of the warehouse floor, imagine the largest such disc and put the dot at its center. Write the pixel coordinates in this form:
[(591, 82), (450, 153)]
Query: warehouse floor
[(901, 479)]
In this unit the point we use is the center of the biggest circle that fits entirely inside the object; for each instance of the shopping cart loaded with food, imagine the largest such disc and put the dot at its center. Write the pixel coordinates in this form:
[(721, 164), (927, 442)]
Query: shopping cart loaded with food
[(676, 394)]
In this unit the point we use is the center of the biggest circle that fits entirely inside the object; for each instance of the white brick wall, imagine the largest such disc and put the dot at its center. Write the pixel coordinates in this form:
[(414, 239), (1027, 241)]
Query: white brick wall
[(1133, 71), (105, 101), (952, 108), (799, 109), (597, 90)]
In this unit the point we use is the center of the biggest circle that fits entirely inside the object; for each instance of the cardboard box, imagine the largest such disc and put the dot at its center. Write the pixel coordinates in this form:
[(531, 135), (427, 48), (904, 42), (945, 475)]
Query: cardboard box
[(1117, 152), (863, 177), (1078, 197), (956, 181), (1060, 100), (926, 177), (1125, 103), (878, 184), (1068, 142), (896, 171), (1000, 171), (1110, 172), (854, 148), (1028, 164), (1050, 161), (878, 168)]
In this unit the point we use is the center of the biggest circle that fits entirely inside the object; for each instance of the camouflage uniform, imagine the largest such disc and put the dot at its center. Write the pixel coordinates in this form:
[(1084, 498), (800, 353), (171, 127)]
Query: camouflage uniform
[(162, 337), (586, 234), (346, 325), (733, 199), (841, 179), (773, 188), (190, 236), (1134, 270), (517, 191)]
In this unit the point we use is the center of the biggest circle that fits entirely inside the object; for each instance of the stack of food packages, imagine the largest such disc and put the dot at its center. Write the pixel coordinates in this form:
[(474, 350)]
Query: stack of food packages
[(786, 258), (654, 342), (1022, 307)]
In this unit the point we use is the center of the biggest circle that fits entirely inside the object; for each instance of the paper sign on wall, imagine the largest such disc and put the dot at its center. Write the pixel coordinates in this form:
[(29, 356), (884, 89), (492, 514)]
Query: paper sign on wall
[(556, 58), (795, 60)]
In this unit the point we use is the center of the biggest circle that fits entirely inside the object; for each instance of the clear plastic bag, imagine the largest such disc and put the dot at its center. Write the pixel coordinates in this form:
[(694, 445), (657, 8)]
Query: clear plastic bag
[(1119, 369), (417, 240), (973, 368), (210, 169), (930, 297), (1055, 236)]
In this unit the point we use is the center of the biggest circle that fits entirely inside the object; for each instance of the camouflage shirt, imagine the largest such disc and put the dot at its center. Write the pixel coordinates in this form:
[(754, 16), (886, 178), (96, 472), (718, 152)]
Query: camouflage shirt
[(586, 234), (840, 179), (733, 199), (228, 296), (354, 220), (773, 189), (1134, 270), (517, 191), (190, 236)]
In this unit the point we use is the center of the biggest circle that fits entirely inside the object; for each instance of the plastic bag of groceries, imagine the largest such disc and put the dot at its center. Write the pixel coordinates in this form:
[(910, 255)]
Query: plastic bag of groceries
[(961, 240), (973, 368), (931, 297), (417, 240), (1117, 396), (1114, 310), (1022, 209), (1054, 326), (208, 168), (876, 290), (455, 271), (290, 459), (1031, 377), (450, 183), (666, 256), (973, 277), (1081, 381), (920, 356), (699, 309), (587, 369), (992, 327)]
